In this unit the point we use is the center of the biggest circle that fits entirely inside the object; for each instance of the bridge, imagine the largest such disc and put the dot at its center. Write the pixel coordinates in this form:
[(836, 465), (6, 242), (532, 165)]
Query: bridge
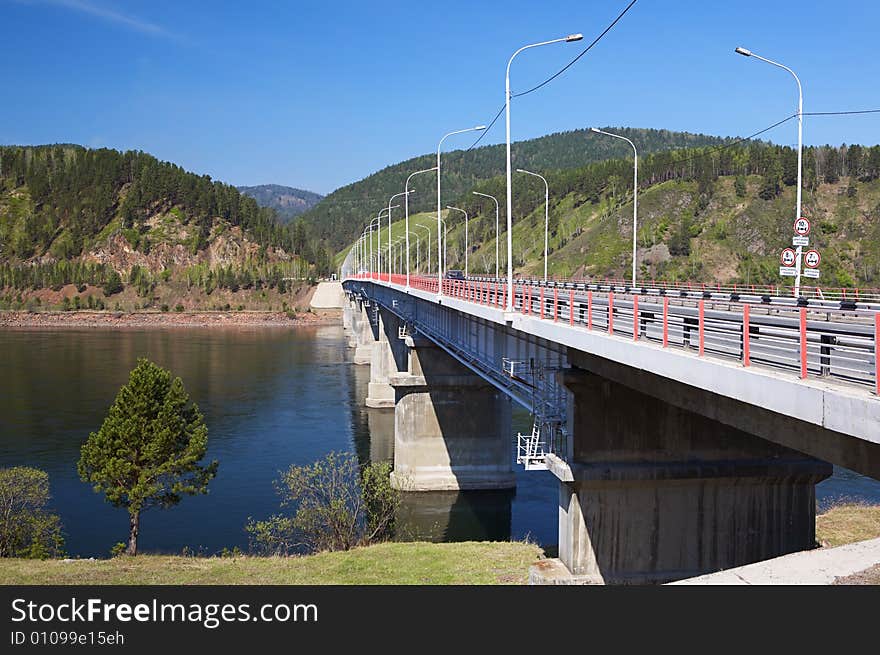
[(687, 427)]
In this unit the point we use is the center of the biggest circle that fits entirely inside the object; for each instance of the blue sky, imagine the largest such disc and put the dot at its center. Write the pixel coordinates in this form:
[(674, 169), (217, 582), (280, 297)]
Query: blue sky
[(320, 94)]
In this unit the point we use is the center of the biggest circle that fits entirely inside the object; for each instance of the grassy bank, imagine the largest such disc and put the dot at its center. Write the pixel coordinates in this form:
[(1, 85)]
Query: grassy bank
[(847, 524), (391, 563)]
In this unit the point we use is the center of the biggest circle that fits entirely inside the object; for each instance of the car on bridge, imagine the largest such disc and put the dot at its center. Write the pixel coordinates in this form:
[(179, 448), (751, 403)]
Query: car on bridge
[(454, 274)]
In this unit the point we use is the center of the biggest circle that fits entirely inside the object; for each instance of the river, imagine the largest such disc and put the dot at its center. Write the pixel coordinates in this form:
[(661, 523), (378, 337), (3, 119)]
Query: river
[(271, 397)]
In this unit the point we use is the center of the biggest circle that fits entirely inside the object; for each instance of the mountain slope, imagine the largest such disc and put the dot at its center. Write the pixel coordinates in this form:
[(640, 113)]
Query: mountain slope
[(112, 220), (341, 215), (288, 202), (705, 215)]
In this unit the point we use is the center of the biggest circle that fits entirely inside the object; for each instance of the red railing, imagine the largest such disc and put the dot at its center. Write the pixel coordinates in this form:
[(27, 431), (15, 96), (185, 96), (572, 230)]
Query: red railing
[(817, 344)]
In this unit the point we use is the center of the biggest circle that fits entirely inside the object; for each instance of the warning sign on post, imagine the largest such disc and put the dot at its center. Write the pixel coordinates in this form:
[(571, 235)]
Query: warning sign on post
[(812, 259), (802, 226), (787, 257)]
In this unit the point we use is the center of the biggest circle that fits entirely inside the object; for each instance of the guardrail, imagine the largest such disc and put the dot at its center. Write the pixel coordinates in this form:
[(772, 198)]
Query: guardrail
[(812, 340)]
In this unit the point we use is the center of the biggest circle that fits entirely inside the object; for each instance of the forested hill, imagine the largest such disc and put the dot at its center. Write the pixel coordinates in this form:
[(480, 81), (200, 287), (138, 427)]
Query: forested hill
[(288, 202), (711, 214), (107, 219), (341, 215), (59, 199)]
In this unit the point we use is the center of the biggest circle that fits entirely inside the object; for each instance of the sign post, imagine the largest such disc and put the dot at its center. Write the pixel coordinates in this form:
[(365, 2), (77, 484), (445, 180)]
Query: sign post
[(801, 229)]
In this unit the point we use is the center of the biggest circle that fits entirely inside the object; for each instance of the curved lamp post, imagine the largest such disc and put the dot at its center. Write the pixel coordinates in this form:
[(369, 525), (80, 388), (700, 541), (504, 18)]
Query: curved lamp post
[(635, 192), (406, 197), (497, 236), (465, 236), (546, 214), (379, 238), (428, 230), (800, 114), (440, 258), (567, 39), (390, 200)]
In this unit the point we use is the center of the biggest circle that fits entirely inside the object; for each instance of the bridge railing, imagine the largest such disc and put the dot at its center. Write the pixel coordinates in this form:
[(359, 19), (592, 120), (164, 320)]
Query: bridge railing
[(855, 294), (811, 342)]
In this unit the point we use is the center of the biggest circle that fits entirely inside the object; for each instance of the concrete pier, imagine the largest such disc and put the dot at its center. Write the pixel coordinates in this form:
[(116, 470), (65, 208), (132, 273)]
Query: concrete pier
[(364, 336), (451, 427), (383, 362), (658, 493)]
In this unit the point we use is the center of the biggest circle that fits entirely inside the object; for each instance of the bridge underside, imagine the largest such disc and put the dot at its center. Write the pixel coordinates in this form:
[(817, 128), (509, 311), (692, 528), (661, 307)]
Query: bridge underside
[(658, 480), (657, 493)]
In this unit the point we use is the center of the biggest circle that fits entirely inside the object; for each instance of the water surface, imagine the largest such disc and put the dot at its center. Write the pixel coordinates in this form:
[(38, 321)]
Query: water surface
[(271, 397)]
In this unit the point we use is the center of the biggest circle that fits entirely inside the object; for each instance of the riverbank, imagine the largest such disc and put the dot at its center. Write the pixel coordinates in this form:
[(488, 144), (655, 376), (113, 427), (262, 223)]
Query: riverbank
[(85, 319), (388, 563), (482, 563)]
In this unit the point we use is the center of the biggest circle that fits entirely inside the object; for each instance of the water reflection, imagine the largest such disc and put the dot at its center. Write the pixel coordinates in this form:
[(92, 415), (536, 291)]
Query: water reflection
[(271, 397), (455, 516)]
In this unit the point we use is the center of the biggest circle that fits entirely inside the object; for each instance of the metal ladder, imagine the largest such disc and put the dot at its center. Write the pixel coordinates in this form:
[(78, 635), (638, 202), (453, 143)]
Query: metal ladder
[(530, 450), (548, 412)]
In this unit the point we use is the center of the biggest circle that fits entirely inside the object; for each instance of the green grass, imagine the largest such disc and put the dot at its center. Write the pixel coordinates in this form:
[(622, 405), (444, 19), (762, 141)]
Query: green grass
[(847, 524), (412, 563)]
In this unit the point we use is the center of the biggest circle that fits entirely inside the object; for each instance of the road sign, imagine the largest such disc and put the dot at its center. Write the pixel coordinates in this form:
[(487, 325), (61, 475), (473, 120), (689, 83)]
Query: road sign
[(800, 241), (788, 257), (787, 271), (812, 259), (802, 226), (811, 272)]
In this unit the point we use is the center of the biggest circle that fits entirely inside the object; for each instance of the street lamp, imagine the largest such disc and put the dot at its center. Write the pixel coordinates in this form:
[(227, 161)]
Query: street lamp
[(440, 257), (379, 237), (445, 245), (635, 193), (800, 116), (497, 236), (398, 254), (567, 39), (407, 192), (418, 251), (370, 229), (465, 236), (428, 230), (546, 215), (390, 200)]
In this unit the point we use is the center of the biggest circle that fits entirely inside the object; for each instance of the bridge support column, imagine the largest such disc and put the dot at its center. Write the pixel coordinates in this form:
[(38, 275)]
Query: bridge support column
[(352, 329), (386, 352), (346, 313), (366, 340), (658, 493), (451, 428)]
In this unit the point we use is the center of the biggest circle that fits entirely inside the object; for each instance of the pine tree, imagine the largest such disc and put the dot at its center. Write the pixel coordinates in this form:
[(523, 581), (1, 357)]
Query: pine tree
[(148, 449)]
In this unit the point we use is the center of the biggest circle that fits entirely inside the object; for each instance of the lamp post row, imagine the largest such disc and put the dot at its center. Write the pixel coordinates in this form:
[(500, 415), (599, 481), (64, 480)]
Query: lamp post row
[(441, 245)]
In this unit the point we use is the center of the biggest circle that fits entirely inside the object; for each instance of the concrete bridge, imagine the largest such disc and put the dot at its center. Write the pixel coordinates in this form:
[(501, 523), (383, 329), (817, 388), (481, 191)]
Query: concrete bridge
[(687, 431)]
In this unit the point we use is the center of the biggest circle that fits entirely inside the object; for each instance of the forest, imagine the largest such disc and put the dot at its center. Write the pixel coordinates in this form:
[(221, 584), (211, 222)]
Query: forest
[(340, 216), (60, 199)]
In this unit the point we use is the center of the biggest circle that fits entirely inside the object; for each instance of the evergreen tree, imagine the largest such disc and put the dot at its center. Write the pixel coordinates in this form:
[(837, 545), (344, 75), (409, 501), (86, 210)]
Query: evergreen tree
[(148, 449)]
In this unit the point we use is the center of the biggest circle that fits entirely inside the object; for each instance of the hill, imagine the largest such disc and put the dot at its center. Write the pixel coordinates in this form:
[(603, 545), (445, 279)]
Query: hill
[(110, 220), (288, 202), (341, 215), (705, 214)]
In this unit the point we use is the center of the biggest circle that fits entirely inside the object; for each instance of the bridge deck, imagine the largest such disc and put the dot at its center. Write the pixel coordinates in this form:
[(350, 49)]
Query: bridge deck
[(817, 364)]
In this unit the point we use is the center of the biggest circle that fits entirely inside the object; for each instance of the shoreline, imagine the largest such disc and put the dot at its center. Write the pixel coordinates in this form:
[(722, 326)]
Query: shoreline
[(93, 318)]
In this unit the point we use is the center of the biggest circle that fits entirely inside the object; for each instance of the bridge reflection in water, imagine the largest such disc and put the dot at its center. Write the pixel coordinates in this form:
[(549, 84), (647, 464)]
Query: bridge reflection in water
[(438, 516)]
